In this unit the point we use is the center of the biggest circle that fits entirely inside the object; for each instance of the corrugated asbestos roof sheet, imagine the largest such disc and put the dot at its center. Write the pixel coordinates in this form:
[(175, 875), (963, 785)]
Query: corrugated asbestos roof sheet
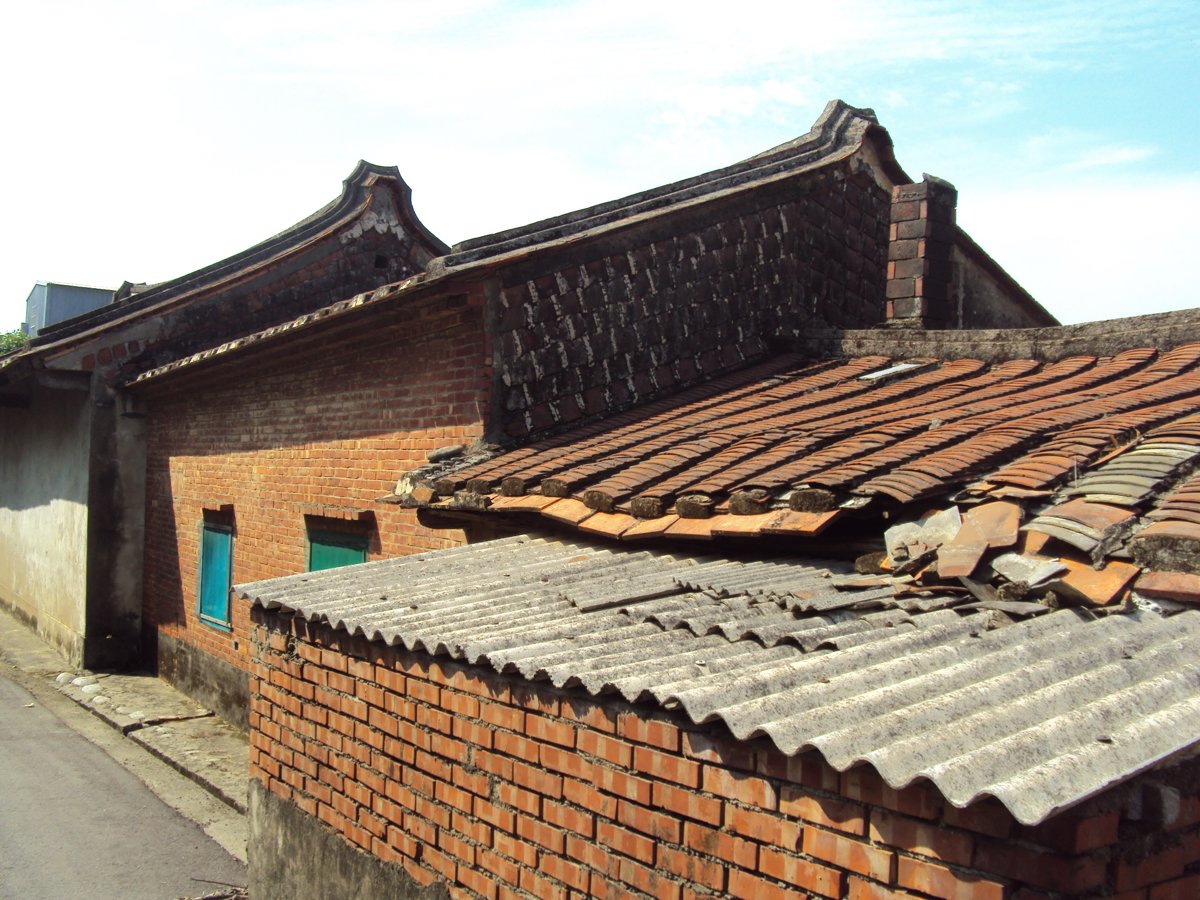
[(1039, 711)]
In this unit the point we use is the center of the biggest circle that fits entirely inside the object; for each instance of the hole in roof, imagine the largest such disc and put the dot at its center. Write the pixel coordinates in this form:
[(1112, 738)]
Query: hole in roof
[(890, 370)]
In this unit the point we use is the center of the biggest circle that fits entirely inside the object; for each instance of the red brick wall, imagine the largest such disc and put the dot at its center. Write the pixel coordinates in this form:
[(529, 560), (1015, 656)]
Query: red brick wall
[(499, 788), (325, 435)]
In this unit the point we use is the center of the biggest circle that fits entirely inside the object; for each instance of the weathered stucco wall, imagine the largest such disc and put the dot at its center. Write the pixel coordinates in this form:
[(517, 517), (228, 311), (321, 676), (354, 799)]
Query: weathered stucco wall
[(984, 296), (44, 454)]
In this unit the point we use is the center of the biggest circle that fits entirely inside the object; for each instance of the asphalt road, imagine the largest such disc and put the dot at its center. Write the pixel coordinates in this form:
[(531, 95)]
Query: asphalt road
[(76, 824)]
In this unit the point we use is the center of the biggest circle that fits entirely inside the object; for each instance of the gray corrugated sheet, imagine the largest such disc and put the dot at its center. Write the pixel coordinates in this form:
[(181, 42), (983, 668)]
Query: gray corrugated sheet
[(1040, 713)]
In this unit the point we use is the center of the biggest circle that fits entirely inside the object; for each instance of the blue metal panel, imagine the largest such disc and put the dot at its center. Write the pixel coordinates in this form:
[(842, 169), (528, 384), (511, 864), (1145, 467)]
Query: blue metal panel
[(50, 303), (66, 301), (35, 310), (216, 570)]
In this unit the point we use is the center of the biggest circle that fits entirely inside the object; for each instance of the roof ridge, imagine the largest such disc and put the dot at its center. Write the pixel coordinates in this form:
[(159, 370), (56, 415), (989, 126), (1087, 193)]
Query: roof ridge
[(839, 130)]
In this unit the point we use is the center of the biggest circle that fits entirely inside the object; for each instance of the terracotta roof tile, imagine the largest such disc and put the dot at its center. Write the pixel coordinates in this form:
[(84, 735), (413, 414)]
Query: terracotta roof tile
[(1090, 450)]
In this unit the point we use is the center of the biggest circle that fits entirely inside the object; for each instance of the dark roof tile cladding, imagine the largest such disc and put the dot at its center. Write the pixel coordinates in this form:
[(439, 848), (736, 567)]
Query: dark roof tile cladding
[(1099, 448)]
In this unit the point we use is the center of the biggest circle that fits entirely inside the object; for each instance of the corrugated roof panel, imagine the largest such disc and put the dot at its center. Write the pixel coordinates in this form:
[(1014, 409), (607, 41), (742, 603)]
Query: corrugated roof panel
[(1040, 714)]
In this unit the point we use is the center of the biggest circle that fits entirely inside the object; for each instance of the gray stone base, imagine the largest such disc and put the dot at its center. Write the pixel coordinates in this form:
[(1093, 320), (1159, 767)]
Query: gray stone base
[(222, 687), (293, 856)]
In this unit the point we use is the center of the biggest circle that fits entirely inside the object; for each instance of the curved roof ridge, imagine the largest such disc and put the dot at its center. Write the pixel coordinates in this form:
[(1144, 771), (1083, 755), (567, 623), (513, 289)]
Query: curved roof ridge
[(838, 132), (354, 200)]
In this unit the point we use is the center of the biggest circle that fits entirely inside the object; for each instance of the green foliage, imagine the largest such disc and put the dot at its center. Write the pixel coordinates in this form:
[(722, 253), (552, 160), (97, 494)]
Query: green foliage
[(10, 341)]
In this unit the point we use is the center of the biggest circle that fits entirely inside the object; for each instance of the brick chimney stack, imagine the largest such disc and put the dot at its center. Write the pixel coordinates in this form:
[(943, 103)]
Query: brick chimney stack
[(919, 288)]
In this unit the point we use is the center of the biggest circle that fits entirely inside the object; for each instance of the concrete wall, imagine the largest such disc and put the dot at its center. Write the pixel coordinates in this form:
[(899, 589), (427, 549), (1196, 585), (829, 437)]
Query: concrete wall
[(495, 786), (44, 484), (296, 858), (984, 296), (116, 503)]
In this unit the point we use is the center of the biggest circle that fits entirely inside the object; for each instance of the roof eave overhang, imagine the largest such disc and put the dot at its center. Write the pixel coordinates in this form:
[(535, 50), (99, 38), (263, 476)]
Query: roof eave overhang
[(356, 200)]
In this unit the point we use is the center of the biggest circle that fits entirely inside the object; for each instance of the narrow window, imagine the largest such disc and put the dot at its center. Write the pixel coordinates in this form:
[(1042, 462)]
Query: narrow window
[(330, 549), (216, 569)]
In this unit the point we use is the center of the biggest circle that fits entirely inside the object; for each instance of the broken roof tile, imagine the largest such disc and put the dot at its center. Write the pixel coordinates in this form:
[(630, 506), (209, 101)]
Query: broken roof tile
[(1182, 587), (958, 557), (1095, 587)]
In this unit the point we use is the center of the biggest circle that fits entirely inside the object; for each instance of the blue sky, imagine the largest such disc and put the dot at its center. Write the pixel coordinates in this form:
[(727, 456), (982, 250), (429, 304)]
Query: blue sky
[(146, 140)]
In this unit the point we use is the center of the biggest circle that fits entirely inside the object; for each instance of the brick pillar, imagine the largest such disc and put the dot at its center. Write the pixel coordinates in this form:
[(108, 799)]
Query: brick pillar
[(919, 243)]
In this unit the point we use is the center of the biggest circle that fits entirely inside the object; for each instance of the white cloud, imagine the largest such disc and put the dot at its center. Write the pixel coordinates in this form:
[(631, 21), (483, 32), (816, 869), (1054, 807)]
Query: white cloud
[(1096, 250), (1103, 157), (154, 139)]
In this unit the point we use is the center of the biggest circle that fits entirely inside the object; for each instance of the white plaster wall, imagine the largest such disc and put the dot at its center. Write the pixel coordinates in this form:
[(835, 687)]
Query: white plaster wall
[(43, 513)]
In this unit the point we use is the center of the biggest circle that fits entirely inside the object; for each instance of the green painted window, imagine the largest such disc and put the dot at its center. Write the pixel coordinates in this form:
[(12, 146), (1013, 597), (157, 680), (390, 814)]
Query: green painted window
[(216, 571), (330, 549)]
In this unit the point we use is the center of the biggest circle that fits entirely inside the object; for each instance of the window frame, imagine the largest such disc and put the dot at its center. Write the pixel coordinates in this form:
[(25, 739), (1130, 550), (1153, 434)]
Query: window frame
[(207, 526)]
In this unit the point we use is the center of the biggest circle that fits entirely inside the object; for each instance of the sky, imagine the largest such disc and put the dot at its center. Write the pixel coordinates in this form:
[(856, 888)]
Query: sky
[(149, 139)]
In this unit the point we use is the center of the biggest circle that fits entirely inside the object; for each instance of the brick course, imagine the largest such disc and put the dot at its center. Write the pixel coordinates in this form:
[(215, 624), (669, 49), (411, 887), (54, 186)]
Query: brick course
[(280, 441), (566, 808), (668, 310)]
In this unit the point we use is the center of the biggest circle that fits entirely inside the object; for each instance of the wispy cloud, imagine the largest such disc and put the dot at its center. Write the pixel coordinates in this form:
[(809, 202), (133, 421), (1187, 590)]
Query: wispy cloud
[(1066, 150), (1103, 157)]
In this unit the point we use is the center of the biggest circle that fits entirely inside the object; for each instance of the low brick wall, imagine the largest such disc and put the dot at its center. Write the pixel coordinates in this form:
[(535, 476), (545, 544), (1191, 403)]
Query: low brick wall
[(493, 786)]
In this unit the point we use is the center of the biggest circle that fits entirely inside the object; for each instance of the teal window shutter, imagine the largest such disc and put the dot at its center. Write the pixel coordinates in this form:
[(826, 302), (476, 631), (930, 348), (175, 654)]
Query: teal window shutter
[(216, 569), (331, 549)]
